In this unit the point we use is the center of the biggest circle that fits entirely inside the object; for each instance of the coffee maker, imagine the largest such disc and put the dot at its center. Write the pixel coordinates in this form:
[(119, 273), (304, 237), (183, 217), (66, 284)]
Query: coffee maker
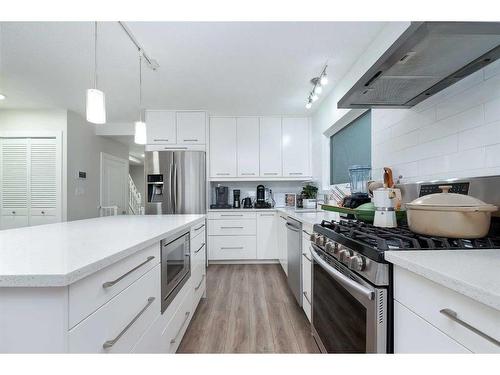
[(236, 198), (221, 197), (260, 202)]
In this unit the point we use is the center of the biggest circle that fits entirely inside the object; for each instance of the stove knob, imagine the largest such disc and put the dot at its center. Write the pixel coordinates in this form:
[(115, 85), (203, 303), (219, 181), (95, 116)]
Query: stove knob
[(345, 255), (357, 263), (330, 246), (320, 240), (313, 236)]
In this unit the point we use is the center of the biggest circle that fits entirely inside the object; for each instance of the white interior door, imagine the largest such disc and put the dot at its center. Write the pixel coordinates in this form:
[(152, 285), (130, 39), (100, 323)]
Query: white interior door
[(114, 182)]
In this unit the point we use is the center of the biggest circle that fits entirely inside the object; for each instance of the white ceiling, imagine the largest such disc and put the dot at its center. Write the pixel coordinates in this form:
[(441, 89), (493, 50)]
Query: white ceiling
[(224, 67)]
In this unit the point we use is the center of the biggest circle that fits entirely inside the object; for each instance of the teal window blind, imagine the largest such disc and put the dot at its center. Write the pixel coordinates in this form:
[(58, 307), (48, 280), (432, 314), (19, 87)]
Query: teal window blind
[(349, 146)]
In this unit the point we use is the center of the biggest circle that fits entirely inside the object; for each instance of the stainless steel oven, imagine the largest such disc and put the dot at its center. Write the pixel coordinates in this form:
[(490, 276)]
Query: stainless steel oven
[(175, 267), (349, 315)]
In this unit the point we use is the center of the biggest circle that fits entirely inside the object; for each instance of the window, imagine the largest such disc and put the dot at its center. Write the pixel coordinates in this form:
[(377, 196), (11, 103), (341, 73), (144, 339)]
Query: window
[(350, 146)]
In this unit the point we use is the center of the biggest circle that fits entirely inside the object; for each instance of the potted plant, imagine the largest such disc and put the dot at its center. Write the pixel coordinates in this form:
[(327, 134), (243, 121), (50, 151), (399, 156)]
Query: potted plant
[(309, 193)]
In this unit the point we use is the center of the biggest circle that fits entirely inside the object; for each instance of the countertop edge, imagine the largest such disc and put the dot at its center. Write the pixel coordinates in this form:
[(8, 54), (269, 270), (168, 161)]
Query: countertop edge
[(480, 295), (63, 280)]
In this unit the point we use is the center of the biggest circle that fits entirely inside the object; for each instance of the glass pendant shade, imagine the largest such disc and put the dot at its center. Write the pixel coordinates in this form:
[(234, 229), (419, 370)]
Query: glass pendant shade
[(96, 106)]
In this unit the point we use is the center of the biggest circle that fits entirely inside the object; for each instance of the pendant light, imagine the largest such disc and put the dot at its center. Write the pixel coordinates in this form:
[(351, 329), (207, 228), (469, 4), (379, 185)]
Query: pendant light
[(96, 102), (140, 126)]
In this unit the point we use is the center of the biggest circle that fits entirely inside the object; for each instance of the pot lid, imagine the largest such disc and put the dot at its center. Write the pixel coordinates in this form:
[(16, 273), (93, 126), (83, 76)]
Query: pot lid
[(447, 199)]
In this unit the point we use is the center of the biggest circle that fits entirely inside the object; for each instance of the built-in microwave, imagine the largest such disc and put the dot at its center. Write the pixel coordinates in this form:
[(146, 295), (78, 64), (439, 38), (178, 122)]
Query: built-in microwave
[(175, 267)]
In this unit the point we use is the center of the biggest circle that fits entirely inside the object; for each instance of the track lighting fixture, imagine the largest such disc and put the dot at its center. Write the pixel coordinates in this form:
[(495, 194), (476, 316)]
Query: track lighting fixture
[(318, 83)]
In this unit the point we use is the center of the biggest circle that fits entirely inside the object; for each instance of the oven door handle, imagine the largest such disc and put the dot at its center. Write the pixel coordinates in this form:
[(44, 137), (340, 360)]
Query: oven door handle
[(341, 278)]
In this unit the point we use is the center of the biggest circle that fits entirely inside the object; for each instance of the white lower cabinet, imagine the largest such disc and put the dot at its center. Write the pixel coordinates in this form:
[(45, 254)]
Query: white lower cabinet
[(467, 322), (118, 325), (232, 247), (267, 241), (306, 274), (412, 334), (282, 244)]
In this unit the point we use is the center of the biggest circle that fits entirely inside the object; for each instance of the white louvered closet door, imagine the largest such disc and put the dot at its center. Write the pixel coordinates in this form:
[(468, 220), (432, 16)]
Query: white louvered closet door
[(14, 187), (44, 181)]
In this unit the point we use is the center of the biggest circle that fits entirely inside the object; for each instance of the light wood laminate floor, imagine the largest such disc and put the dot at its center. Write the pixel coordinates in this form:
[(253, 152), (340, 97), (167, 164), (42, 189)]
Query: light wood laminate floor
[(248, 309)]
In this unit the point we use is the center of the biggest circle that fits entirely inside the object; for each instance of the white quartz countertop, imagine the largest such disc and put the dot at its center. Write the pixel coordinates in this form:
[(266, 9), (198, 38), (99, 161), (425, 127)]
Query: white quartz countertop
[(303, 215), (62, 253), (474, 273)]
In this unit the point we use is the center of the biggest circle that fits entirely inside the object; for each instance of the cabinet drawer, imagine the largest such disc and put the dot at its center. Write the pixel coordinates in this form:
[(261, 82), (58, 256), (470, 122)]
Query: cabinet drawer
[(235, 227), (306, 306), (43, 212), (197, 229), (117, 326), (412, 334), (231, 215), (427, 299), (197, 242), (176, 328), (199, 284), (306, 281), (88, 294), (232, 248)]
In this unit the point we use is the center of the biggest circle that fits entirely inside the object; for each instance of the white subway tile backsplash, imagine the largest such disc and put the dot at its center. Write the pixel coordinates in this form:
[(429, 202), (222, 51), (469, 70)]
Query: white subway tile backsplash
[(455, 133), (488, 134), (492, 110)]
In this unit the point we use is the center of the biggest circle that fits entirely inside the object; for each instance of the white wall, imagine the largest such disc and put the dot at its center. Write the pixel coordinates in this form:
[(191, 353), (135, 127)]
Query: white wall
[(328, 118), (40, 120), (84, 155), (137, 174), (455, 133)]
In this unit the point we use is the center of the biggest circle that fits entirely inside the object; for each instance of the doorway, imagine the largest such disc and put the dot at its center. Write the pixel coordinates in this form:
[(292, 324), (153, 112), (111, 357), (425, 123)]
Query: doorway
[(114, 183)]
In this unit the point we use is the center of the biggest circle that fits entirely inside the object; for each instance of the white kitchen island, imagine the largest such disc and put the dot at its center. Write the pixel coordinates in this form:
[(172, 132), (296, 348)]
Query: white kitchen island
[(52, 293)]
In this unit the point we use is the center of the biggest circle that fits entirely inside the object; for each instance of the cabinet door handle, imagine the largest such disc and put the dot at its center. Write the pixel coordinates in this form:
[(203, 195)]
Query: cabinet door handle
[(248, 174), (231, 227), (266, 214), (450, 314), (296, 173), (291, 227), (305, 256), (201, 282), (201, 247), (201, 226), (232, 248), (108, 344), (190, 140), (270, 174), (108, 284), (180, 329), (223, 174), (231, 215), (160, 140), (307, 298), (13, 212)]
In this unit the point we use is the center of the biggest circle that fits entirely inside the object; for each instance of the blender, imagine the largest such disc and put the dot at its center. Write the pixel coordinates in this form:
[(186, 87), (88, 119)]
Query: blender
[(359, 175)]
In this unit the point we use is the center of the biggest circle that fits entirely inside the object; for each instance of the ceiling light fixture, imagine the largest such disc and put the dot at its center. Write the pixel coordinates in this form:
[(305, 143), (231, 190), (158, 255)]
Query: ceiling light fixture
[(3, 97), (96, 102), (140, 126), (318, 83)]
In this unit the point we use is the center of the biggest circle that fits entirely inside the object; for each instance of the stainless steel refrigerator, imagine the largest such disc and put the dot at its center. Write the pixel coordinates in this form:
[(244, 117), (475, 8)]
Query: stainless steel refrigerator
[(175, 182)]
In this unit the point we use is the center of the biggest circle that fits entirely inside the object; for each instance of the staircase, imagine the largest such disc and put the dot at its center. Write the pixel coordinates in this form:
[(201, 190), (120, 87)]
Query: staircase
[(134, 199)]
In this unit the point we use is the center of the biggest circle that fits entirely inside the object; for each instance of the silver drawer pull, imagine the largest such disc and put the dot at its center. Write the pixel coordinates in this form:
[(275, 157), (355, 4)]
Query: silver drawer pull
[(266, 214), (295, 173), (201, 226), (180, 329), (190, 140), (248, 174), (306, 232), (307, 298), (108, 344), (270, 174), (305, 256), (201, 282), (201, 247), (231, 227), (232, 248), (449, 313), (108, 284), (160, 140), (223, 174), (231, 215)]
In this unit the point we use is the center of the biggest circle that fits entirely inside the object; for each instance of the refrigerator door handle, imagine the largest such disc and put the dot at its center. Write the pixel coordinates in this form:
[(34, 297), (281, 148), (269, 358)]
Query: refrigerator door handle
[(174, 181), (170, 193)]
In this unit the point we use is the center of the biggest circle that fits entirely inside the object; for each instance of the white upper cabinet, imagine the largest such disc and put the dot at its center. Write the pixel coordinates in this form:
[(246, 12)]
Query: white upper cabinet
[(161, 127), (223, 154), (191, 127), (296, 149), (248, 146), (270, 147)]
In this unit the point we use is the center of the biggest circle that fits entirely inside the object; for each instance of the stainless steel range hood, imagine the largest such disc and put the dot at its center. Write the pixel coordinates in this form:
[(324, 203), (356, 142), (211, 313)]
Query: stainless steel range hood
[(426, 58)]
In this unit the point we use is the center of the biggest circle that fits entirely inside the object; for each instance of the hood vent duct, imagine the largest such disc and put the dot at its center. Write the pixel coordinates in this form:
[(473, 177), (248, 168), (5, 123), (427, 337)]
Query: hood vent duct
[(426, 58)]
